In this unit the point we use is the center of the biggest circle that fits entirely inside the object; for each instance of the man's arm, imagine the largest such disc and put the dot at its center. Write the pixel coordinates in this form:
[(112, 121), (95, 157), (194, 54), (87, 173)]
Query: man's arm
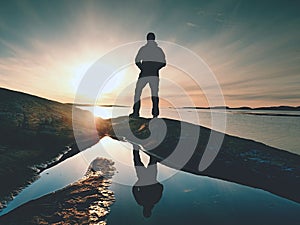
[(162, 60), (138, 59)]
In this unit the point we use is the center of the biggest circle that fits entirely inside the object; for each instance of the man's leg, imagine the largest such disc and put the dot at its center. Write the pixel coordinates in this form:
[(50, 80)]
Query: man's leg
[(154, 82), (137, 158), (140, 84)]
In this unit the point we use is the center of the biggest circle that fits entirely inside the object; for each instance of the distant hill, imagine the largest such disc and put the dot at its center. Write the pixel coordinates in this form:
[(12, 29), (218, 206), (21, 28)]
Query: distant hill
[(284, 108)]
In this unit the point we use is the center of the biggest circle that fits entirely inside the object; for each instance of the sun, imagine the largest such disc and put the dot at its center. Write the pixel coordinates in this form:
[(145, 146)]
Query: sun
[(114, 85)]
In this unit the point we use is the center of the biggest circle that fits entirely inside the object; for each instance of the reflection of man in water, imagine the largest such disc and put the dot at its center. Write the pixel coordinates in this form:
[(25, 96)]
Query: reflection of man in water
[(150, 59), (147, 190)]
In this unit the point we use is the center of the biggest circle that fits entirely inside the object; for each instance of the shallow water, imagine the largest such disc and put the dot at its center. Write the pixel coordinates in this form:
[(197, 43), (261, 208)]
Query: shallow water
[(187, 198)]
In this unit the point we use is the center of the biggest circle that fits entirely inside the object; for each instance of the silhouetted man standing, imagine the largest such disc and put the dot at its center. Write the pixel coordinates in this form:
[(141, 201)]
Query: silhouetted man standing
[(150, 59)]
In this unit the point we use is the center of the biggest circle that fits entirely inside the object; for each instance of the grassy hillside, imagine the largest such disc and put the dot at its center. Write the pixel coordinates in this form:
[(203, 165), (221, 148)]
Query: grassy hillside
[(33, 131)]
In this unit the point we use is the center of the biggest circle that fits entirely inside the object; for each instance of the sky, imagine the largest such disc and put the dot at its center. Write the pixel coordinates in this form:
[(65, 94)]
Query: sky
[(252, 47)]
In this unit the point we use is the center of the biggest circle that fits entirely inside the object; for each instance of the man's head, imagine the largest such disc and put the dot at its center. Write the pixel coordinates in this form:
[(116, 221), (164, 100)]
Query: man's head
[(150, 36)]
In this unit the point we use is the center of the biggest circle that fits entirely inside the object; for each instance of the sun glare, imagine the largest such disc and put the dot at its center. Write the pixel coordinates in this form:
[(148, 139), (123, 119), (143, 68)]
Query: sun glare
[(114, 82), (104, 113), (109, 90), (78, 72)]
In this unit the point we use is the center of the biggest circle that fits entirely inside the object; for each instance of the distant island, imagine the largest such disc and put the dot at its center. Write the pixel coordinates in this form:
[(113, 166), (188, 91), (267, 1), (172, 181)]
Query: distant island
[(282, 108)]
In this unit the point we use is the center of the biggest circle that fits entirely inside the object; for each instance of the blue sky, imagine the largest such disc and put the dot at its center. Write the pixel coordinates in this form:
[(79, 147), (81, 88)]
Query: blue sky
[(251, 46)]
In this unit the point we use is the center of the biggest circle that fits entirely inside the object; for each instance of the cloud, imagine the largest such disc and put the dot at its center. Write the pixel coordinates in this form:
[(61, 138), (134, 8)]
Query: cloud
[(190, 24)]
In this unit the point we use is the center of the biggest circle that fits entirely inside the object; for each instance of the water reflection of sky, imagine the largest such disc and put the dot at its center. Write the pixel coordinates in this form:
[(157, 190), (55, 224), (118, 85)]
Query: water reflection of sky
[(187, 198), (75, 167), (190, 199)]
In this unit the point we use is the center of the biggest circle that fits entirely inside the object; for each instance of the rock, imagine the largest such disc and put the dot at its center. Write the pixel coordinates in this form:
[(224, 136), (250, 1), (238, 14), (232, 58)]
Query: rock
[(86, 201)]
